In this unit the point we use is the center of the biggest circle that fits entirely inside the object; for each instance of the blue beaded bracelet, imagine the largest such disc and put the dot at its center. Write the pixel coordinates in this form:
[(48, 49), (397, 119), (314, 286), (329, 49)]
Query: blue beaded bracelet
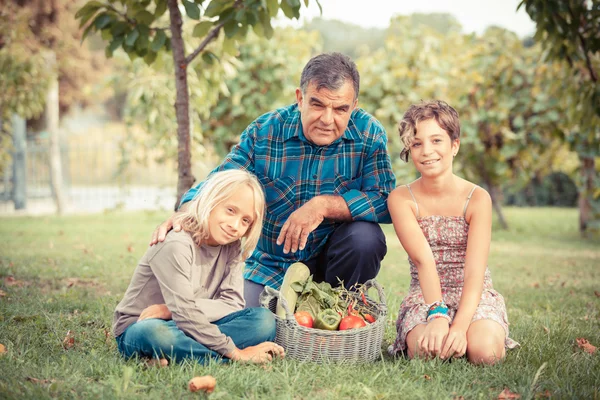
[(431, 317), (437, 307)]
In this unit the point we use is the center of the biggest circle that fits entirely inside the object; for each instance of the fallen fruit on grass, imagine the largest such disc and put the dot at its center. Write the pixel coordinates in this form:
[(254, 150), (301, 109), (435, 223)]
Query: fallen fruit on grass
[(2, 349), (304, 318), (205, 383), (352, 322)]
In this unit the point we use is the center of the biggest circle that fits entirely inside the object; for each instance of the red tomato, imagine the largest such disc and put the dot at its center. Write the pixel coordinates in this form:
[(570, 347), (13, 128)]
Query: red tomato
[(369, 318), (304, 318), (352, 322)]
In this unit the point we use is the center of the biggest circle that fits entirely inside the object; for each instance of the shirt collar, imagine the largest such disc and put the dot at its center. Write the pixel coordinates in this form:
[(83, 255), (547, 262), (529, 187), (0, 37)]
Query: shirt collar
[(293, 127)]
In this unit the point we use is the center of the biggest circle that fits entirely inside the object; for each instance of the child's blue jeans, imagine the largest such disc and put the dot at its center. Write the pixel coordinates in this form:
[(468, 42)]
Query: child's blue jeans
[(157, 338)]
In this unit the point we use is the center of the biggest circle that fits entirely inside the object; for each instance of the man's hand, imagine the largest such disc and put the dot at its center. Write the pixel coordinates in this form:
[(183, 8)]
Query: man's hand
[(160, 233), (433, 338), (258, 354), (159, 311), (299, 225)]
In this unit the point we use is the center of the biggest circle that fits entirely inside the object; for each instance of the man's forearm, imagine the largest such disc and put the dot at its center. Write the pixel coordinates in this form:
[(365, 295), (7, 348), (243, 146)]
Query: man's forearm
[(333, 207)]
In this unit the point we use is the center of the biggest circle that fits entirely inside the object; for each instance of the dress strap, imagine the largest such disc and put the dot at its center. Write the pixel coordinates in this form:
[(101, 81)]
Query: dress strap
[(415, 200), (468, 198)]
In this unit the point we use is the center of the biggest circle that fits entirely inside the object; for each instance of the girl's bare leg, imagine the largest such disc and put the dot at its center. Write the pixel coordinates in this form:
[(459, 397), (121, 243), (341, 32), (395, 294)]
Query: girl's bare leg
[(485, 342)]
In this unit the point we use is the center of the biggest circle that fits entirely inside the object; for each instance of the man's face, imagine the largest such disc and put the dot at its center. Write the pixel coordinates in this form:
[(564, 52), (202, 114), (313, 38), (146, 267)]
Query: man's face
[(325, 113)]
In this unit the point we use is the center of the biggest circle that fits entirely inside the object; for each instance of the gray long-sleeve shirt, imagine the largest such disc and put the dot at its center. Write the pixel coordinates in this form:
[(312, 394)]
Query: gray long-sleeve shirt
[(199, 285)]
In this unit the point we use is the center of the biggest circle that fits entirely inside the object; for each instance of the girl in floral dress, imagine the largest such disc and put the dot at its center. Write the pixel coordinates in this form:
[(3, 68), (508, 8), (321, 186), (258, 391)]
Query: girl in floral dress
[(444, 223)]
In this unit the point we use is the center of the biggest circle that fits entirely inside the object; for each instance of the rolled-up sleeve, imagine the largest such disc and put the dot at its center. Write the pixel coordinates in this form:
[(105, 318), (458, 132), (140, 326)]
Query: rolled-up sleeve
[(369, 202), (172, 266)]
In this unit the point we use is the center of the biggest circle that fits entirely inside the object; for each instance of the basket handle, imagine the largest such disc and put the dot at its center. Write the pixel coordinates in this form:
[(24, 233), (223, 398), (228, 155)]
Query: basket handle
[(268, 294), (382, 299)]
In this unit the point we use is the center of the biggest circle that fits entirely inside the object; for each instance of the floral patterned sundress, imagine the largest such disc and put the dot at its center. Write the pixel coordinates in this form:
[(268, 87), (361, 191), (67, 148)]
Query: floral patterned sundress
[(447, 237)]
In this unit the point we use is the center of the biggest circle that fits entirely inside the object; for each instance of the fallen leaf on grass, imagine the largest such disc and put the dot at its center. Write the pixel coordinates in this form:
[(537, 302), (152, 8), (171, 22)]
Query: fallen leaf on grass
[(11, 281), (2, 349), (130, 248), (597, 293), (546, 329), (546, 394), (2, 293), (40, 381), (427, 377), (458, 398), (69, 340), (586, 346), (535, 285), (506, 394)]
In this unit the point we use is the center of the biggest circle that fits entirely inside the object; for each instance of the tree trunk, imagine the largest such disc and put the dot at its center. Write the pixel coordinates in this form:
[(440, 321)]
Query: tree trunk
[(19, 194), (588, 173), (182, 104), (52, 118), (495, 195)]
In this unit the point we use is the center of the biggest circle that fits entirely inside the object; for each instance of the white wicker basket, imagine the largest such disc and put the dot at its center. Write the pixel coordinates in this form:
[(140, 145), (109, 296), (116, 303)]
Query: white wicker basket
[(360, 345)]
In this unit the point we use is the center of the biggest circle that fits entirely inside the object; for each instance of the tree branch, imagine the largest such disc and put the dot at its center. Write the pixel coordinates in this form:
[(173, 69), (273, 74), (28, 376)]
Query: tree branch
[(209, 38), (588, 62), (132, 21)]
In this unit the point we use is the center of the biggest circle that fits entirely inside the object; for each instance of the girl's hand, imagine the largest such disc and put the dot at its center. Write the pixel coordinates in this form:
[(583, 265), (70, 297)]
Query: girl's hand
[(433, 338), (259, 354), (456, 343), (159, 311)]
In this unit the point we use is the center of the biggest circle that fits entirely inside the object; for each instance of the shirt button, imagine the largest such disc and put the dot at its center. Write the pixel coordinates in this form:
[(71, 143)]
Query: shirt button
[(315, 176)]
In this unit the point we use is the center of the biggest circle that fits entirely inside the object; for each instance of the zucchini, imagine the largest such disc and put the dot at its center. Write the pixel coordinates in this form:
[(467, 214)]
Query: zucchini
[(297, 272)]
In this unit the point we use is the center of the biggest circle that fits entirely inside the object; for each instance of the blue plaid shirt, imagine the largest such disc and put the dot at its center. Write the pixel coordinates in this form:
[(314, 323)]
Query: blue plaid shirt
[(293, 170)]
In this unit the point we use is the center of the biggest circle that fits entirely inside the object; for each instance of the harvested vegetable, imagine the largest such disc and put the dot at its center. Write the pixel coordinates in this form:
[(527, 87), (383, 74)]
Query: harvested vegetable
[(297, 272), (304, 318), (369, 318), (315, 297), (352, 322), (328, 319), (205, 383)]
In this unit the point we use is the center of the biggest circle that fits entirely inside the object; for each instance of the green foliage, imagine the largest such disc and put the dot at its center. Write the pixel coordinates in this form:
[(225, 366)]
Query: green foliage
[(267, 73), (69, 273), (402, 73), (568, 30), (139, 27), (136, 27), (508, 117), (556, 189), (150, 93)]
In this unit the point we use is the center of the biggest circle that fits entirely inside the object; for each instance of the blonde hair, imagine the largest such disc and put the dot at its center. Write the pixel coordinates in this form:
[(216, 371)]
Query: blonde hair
[(216, 189), (444, 114)]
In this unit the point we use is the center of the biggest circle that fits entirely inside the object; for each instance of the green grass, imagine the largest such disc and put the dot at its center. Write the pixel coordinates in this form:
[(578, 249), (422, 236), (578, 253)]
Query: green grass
[(69, 273)]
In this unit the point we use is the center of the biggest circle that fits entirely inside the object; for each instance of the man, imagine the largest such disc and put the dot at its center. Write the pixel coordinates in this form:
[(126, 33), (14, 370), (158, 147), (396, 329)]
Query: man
[(326, 172)]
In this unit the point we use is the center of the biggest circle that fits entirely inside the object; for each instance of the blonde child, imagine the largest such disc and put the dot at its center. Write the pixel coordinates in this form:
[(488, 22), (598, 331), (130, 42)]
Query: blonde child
[(444, 223), (185, 299)]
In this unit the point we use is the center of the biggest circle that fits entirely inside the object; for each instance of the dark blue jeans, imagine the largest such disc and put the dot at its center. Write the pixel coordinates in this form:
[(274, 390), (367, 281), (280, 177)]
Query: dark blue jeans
[(157, 338), (353, 253)]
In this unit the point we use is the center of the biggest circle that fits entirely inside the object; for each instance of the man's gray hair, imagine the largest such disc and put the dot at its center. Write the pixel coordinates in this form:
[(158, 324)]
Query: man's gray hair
[(330, 71)]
